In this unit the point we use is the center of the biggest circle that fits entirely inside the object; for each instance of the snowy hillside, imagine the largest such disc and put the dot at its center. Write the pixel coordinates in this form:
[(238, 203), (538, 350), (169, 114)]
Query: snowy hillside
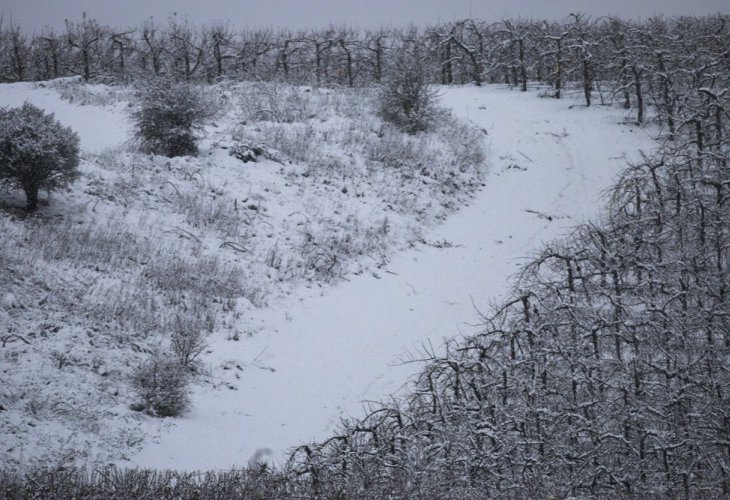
[(481, 258), (319, 357), (144, 249), (245, 250)]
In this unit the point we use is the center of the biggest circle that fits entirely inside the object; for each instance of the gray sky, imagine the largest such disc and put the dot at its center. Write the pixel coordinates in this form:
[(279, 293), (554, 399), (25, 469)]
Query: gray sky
[(34, 15)]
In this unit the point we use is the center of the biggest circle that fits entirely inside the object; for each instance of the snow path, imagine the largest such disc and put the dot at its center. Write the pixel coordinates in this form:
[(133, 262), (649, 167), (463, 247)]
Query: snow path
[(318, 356)]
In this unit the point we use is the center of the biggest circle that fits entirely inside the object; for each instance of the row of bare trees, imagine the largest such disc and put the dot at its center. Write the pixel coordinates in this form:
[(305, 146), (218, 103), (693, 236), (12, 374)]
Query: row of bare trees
[(649, 66), (340, 56), (642, 63), (605, 372)]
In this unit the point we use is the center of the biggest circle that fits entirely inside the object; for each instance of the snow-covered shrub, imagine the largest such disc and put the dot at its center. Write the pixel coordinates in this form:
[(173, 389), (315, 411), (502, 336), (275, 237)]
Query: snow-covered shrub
[(252, 152), (276, 103), (406, 99), (188, 341), (169, 116), (76, 91), (36, 151), (161, 383)]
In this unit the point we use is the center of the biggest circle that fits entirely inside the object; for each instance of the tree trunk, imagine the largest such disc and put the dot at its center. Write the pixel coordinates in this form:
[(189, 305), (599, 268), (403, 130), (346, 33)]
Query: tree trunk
[(639, 95), (348, 53), (318, 58), (523, 69), (379, 62), (587, 83), (87, 65), (218, 60), (625, 84), (31, 196), (559, 70), (447, 67)]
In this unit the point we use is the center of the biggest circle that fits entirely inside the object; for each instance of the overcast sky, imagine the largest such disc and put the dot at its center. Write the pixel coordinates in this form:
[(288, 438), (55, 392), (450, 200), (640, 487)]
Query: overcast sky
[(34, 15)]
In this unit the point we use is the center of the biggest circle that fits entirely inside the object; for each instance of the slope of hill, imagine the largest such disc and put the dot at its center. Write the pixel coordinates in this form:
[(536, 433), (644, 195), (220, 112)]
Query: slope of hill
[(319, 356), (143, 249)]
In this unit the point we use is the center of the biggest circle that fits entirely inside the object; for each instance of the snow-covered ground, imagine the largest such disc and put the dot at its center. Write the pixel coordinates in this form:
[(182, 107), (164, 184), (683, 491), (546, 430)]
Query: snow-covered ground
[(142, 247), (322, 352), (316, 353)]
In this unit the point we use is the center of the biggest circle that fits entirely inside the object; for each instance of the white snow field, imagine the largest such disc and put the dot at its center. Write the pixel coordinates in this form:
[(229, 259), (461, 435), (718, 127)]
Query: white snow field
[(322, 352)]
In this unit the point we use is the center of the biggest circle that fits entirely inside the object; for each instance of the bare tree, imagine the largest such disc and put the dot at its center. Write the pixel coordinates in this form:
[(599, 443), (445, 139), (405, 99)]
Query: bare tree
[(467, 37), (346, 42), (122, 48), (221, 44), (254, 47), (581, 46), (153, 47), (554, 54), (375, 44), (84, 38), (17, 52), (517, 36), (187, 48), (53, 56)]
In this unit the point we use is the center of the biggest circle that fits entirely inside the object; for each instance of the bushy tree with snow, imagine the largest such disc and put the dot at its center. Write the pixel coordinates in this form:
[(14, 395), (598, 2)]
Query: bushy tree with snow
[(169, 116), (161, 384), (36, 151), (406, 99)]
